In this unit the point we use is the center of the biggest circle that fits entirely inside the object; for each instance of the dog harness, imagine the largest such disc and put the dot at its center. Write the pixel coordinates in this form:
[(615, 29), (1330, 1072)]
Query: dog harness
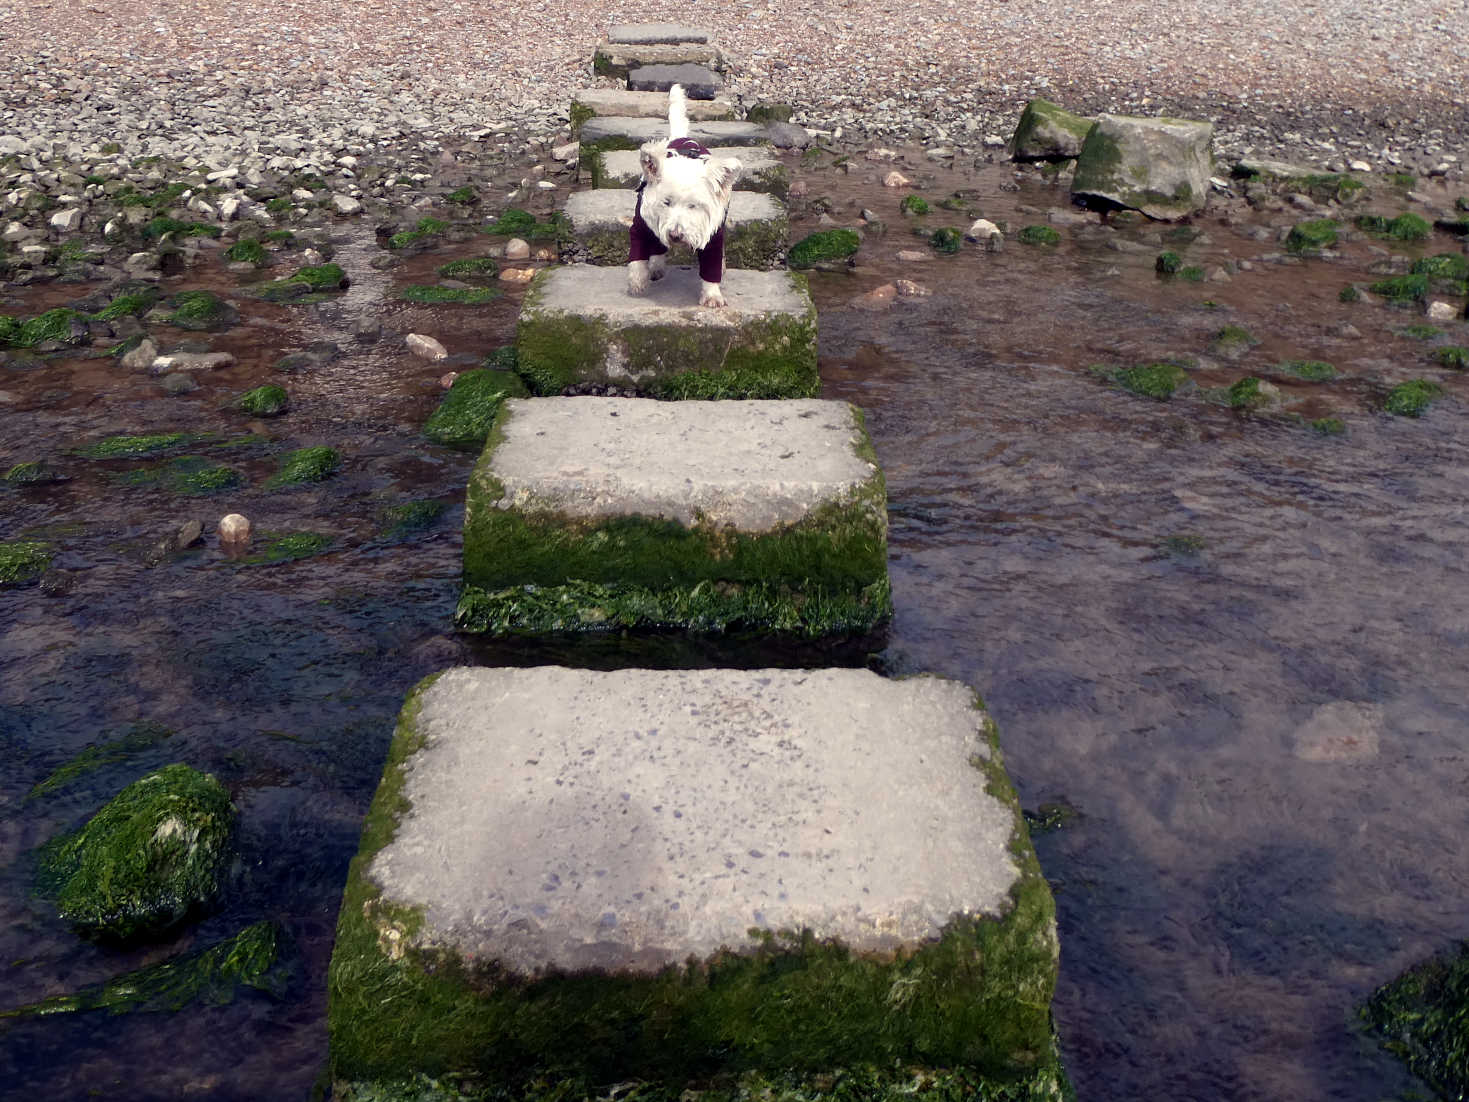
[(643, 242)]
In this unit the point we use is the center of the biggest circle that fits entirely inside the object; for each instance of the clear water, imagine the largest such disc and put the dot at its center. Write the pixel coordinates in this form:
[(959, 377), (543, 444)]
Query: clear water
[(1235, 647)]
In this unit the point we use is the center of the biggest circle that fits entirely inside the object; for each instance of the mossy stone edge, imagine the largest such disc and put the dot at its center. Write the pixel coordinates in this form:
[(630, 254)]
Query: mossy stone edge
[(977, 998), (758, 244)]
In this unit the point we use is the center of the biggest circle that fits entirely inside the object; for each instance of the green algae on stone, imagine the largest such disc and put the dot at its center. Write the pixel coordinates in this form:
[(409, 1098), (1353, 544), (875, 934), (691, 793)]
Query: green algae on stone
[(512, 223), (966, 1014), (135, 302), (162, 226), (305, 284), (1447, 273), (1328, 426), (1048, 132), (1312, 371), (411, 518), (34, 472), (1349, 293), (23, 561), (1232, 342), (1185, 544), (213, 976), (465, 414), (1452, 356), (436, 296), (1155, 380), (279, 547), (1312, 236), (1412, 398), (201, 310), (61, 325), (1249, 394), (946, 241), (191, 475), (141, 736), (1038, 235), (1192, 274), (1420, 332), (152, 856), (1405, 227), (464, 196), (913, 204), (247, 250), (263, 401), (424, 231), (135, 447), (305, 465), (823, 246), (1401, 290), (1168, 263), (476, 267), (1422, 1017)]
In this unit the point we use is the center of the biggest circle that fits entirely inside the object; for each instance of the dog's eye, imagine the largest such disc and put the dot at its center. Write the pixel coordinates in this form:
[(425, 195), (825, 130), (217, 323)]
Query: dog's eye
[(668, 202)]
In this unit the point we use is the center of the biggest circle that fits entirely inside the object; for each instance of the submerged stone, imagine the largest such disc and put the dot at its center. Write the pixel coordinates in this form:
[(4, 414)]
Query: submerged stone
[(728, 871), (579, 326), (464, 416), (156, 853), (1047, 132), (1158, 166), (762, 170), (597, 514), (23, 561), (755, 233), (305, 465), (1421, 1017), (824, 246)]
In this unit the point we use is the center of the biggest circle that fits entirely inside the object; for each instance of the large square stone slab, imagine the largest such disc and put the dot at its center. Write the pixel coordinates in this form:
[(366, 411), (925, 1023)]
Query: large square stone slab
[(592, 103), (600, 514), (755, 234), (617, 59), (763, 169), (647, 34), (663, 876), (698, 81), (581, 329)]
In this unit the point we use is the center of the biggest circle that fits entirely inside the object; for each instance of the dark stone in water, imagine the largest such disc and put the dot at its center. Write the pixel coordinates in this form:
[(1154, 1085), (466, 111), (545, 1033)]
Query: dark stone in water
[(698, 82)]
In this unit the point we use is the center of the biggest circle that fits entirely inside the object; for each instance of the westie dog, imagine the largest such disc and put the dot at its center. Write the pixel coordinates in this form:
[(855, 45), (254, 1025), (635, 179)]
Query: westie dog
[(683, 198)]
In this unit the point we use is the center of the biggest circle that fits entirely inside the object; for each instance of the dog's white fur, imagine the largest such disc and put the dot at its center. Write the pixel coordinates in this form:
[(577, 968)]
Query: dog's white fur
[(684, 200)]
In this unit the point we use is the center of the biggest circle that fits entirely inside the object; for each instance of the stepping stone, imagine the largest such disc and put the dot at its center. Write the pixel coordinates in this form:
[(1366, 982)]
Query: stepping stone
[(664, 875), (656, 34), (699, 83), (580, 329), (600, 220), (613, 514), (606, 132), (763, 170), (593, 102), (616, 60)]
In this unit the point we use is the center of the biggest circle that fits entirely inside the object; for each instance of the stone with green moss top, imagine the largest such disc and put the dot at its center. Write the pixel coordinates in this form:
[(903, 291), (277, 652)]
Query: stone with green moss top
[(279, 547), (579, 327), (156, 854), (755, 229), (587, 514), (23, 561), (263, 401), (1312, 236), (191, 475), (1039, 235), (306, 465), (411, 518), (1421, 1018), (1232, 342), (1312, 371), (1328, 426), (1155, 380), (1047, 132), (423, 232), (465, 414), (594, 103), (449, 296), (729, 872), (761, 170), (824, 247), (470, 268), (247, 250), (200, 311), (913, 204), (1405, 227), (1452, 356), (34, 472), (305, 283), (1158, 166), (1412, 398), (61, 326), (135, 447)]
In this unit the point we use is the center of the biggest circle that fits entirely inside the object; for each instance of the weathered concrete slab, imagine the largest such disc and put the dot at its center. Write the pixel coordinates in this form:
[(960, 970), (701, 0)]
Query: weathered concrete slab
[(617, 59), (650, 34), (763, 170), (692, 872), (580, 328), (699, 81), (622, 132), (755, 236), (593, 514), (619, 102)]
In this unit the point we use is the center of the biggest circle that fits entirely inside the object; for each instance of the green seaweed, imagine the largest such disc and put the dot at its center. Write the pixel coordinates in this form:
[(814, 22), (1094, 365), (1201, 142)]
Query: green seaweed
[(397, 522), (1232, 341), (143, 735), (1452, 356), (1422, 1017), (913, 204), (23, 561), (1349, 293), (1039, 235), (263, 401), (823, 246), (1168, 263), (1420, 332), (61, 325), (946, 241), (135, 447), (130, 303), (304, 284), (1402, 289), (513, 222), (192, 475), (467, 296), (153, 855), (1312, 371), (476, 267), (305, 465), (200, 310), (464, 417), (34, 472), (162, 226), (1155, 380), (1405, 227), (464, 196), (247, 250), (1412, 398), (1317, 234), (426, 229), (288, 547), (1328, 426), (1246, 394)]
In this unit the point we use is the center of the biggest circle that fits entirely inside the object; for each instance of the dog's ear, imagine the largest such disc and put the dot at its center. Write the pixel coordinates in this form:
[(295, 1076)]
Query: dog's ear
[(722, 172), (650, 157)]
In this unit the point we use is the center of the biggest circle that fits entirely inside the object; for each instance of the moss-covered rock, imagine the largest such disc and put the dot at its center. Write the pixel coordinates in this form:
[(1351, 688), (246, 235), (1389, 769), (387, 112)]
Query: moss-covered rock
[(305, 283), (466, 413), (1452, 356), (23, 561), (449, 296), (162, 226), (470, 268), (155, 854), (411, 518), (1328, 426), (1423, 1018), (1312, 236), (1168, 263), (823, 246), (61, 326), (248, 250), (263, 401), (35, 472), (1038, 235), (279, 547), (1155, 380), (1047, 132), (1312, 371), (946, 240), (1158, 166), (201, 311), (1412, 398), (1232, 342), (136, 447), (191, 475), (913, 204), (305, 465), (1402, 290), (423, 233), (1405, 227), (1250, 395)]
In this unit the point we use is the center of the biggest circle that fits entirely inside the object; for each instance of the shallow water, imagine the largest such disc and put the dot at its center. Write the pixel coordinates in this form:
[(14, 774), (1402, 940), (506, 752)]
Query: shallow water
[(1235, 647)]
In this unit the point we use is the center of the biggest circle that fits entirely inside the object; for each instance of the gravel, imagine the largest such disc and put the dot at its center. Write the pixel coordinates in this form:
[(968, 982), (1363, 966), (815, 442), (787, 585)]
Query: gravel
[(1344, 79)]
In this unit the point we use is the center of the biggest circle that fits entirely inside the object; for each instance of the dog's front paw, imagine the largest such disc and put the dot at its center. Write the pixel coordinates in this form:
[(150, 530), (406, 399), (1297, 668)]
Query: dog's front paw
[(658, 266), (710, 294), (637, 277)]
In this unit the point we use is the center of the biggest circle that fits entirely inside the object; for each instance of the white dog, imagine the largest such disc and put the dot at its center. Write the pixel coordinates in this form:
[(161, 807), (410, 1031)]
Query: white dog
[(683, 198)]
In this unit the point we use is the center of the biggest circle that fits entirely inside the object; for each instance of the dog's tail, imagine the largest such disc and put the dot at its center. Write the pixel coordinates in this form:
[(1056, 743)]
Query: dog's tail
[(678, 113)]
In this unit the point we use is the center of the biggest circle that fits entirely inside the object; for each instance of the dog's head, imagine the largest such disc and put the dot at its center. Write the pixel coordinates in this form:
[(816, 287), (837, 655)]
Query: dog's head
[(685, 191)]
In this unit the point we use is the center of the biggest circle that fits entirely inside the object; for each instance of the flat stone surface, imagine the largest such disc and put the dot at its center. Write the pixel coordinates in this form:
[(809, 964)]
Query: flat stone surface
[(755, 237), (587, 290), (646, 34), (617, 60), (750, 465), (709, 133), (699, 83), (645, 105), (570, 819), (620, 167)]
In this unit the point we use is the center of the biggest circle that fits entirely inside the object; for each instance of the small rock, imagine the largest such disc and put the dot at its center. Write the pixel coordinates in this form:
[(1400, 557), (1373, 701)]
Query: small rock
[(881, 154), (913, 255), (67, 221), (879, 298), (447, 380), (190, 361), (908, 289), (798, 189), (234, 531), (1218, 274), (345, 204), (895, 179), (1359, 166), (179, 383), (140, 358), (568, 153), (189, 533), (517, 275), (426, 347), (545, 254), (1441, 311), (982, 230), (1341, 731), (1345, 331), (366, 330), (517, 249)]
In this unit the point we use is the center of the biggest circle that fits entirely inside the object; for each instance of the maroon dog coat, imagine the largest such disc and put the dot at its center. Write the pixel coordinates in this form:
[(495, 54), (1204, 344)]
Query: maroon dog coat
[(643, 242)]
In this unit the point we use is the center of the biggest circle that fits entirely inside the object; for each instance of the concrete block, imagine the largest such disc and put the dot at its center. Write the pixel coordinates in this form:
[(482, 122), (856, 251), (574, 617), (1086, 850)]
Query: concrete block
[(763, 169), (699, 82), (653, 34), (581, 329), (755, 237), (617, 59), (591, 103), (597, 514), (666, 876)]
